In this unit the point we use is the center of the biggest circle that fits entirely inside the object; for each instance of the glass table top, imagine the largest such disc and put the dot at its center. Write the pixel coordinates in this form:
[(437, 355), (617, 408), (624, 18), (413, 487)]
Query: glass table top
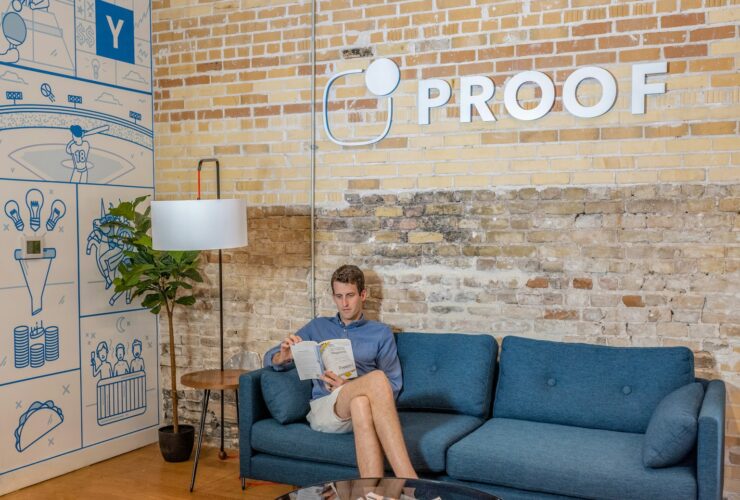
[(387, 489)]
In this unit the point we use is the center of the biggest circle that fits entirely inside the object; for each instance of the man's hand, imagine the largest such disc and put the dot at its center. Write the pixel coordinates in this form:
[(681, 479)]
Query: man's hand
[(285, 356), (332, 380)]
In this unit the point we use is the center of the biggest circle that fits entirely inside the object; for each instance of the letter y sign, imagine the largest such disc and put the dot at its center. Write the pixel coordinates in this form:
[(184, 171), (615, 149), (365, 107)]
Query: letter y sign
[(114, 32)]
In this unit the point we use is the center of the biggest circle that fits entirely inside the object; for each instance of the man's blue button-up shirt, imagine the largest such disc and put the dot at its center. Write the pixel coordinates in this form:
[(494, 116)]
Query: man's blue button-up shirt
[(373, 346)]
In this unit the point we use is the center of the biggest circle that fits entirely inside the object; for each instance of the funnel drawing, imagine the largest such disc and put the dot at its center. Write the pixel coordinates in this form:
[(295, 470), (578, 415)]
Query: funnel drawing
[(35, 272)]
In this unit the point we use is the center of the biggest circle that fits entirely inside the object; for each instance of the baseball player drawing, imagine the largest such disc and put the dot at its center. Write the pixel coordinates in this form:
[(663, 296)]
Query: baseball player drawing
[(79, 149)]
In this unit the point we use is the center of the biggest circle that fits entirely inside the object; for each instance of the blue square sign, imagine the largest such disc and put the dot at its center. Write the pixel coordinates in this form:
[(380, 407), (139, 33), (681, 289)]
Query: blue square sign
[(114, 31)]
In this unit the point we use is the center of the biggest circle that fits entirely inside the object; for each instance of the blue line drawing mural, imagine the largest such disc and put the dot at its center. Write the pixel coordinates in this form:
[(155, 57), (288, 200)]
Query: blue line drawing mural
[(35, 268), (121, 367), (109, 249), (79, 149), (104, 368), (13, 211), (54, 95), (108, 98), (121, 389), (35, 272), (12, 77), (137, 364), (95, 64), (58, 209), (14, 96), (47, 92), (51, 162), (35, 354), (35, 202), (38, 421), (48, 47)]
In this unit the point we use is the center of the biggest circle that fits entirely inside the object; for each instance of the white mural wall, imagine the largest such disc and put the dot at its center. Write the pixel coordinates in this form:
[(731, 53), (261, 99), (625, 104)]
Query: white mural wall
[(78, 361)]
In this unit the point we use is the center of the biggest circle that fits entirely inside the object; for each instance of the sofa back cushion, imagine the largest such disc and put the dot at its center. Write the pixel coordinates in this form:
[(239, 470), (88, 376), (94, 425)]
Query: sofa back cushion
[(286, 396), (447, 372), (599, 387)]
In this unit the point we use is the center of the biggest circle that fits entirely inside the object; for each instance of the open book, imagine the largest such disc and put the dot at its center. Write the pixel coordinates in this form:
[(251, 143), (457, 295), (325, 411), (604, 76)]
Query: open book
[(312, 359)]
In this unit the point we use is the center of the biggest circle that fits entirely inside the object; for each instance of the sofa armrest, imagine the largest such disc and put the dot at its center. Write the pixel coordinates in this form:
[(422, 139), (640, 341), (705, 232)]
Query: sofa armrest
[(251, 409), (711, 442)]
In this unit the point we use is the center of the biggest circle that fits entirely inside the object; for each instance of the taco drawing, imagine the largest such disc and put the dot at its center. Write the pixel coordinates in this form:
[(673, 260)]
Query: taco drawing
[(38, 421)]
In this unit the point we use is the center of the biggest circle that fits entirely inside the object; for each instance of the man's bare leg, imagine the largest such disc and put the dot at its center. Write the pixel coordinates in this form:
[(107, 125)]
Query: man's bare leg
[(367, 446), (376, 388)]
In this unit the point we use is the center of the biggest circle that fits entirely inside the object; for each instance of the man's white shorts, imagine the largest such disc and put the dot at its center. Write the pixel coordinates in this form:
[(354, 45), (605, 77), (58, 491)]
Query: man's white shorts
[(323, 418)]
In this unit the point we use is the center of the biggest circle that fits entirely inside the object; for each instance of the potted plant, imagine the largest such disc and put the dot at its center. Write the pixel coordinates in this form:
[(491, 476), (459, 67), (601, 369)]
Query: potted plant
[(164, 279)]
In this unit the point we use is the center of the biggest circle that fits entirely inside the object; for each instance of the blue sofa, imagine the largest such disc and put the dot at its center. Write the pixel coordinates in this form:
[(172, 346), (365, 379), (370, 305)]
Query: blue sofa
[(564, 421)]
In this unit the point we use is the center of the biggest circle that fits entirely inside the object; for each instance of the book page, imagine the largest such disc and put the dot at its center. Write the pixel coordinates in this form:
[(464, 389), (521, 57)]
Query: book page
[(306, 359), (338, 357)]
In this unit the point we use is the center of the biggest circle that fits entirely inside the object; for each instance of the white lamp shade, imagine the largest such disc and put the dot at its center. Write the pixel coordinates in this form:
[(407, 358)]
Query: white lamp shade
[(199, 224)]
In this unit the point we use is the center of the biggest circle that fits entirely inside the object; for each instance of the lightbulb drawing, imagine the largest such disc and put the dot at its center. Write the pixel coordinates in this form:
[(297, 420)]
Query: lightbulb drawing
[(58, 209), (95, 67), (381, 78), (34, 202), (13, 211)]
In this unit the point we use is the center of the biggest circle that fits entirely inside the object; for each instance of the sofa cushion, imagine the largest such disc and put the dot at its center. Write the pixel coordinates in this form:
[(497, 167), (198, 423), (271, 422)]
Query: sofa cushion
[(427, 435), (564, 460), (447, 372), (286, 396), (612, 388), (671, 433)]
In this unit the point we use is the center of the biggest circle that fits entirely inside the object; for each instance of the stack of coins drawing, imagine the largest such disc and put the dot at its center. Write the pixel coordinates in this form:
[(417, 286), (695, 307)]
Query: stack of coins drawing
[(51, 343), (37, 355), (34, 346), (20, 346)]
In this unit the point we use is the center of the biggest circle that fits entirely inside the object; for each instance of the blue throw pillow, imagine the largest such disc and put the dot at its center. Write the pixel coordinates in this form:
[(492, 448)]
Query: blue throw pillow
[(671, 433), (287, 397)]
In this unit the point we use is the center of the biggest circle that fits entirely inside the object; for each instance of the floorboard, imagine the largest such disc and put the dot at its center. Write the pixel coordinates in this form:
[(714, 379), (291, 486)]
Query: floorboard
[(143, 474)]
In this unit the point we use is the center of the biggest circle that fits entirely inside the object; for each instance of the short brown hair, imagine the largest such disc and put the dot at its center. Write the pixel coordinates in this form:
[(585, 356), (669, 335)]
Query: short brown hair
[(349, 274)]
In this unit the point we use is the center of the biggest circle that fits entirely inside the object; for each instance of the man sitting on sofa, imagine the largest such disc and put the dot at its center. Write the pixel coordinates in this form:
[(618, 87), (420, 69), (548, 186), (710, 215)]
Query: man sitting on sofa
[(365, 404)]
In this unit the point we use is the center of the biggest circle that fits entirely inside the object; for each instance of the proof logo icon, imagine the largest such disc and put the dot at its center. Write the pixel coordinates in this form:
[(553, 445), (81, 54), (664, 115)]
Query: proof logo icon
[(381, 78)]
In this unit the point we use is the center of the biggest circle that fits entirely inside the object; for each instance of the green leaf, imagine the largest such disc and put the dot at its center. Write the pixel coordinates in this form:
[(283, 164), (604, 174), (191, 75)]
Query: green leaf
[(187, 300), (151, 300)]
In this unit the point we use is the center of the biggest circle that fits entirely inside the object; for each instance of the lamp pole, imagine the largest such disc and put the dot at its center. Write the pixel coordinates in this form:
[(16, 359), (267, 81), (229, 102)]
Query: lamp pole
[(222, 453)]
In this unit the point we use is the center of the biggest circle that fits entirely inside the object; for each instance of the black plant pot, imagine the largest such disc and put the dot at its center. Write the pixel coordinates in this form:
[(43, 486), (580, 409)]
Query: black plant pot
[(176, 447)]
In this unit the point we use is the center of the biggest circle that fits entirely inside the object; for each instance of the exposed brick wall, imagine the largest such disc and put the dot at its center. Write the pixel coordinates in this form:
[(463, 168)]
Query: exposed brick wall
[(620, 229)]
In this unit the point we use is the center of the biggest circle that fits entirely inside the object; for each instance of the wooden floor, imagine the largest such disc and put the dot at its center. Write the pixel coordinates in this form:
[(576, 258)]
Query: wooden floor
[(143, 474)]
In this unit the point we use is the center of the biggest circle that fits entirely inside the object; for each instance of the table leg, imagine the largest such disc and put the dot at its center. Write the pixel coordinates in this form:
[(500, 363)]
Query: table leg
[(222, 453), (206, 394), (236, 392)]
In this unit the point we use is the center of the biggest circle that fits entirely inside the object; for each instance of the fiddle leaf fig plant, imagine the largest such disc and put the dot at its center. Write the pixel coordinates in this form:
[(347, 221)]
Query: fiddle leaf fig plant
[(162, 277)]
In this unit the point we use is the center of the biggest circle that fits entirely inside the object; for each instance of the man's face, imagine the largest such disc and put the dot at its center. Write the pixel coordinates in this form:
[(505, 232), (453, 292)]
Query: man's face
[(349, 301)]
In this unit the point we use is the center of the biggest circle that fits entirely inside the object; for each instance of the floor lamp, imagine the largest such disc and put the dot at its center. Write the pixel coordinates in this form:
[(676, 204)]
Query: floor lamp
[(203, 225)]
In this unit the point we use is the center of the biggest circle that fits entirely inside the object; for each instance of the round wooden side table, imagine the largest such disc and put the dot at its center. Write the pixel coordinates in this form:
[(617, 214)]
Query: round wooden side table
[(212, 380)]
